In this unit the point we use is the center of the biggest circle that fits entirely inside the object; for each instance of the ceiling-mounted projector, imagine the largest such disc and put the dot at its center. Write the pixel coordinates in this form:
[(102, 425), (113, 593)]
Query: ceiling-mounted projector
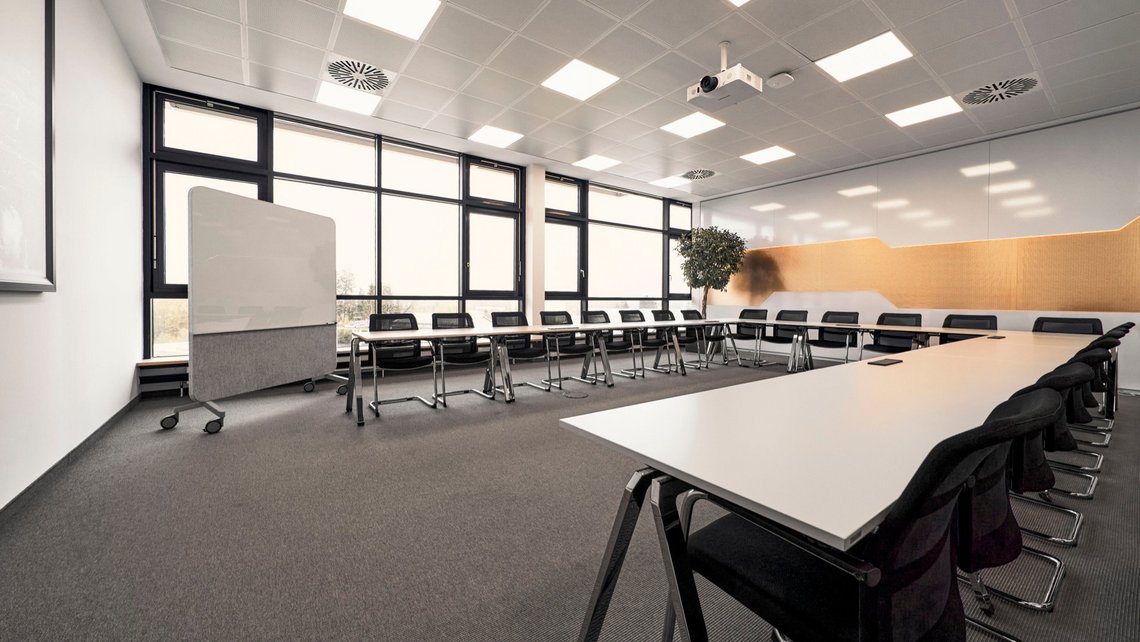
[(728, 87)]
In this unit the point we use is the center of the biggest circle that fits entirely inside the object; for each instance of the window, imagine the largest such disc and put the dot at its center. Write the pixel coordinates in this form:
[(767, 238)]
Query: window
[(677, 283), (624, 262), (680, 216), (419, 171), (493, 183), (207, 130), (352, 316), (354, 212), (419, 247), (561, 195), (480, 310), (562, 268), (491, 243), (624, 207), (318, 152), (169, 327), (421, 308)]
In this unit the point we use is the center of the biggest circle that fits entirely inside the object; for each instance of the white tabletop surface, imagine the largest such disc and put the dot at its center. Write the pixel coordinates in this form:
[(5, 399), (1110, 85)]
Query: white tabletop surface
[(828, 451)]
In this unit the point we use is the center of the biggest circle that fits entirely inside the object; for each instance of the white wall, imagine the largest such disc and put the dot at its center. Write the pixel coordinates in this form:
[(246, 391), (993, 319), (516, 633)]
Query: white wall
[(68, 357)]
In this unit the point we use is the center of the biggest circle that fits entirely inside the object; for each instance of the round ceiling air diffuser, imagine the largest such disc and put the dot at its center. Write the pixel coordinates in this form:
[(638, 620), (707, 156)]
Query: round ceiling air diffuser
[(999, 91), (698, 174), (358, 75)]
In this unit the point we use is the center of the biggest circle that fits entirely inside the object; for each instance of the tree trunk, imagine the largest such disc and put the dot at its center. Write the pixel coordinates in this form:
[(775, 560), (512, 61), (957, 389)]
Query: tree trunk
[(705, 303)]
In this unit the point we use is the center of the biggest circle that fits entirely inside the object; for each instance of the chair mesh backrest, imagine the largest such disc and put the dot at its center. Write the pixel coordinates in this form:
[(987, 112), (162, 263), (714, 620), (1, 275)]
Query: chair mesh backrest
[(393, 322), (789, 315), (1068, 325), (896, 339), (691, 315), (913, 544), (631, 316), (455, 321), (746, 330), (599, 316), (842, 336), (971, 321), (663, 315), (558, 317), (507, 320)]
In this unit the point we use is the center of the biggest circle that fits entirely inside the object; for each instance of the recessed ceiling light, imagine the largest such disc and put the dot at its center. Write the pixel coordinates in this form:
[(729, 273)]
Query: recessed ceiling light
[(803, 216), (894, 203), (405, 17), (579, 80), (859, 191), (914, 215), (669, 181), (597, 162), (494, 136), (865, 57), (833, 225), (1023, 200), (694, 124), (938, 222), (988, 168), (1012, 186), (739, 3), (1040, 211), (341, 97), (924, 112), (768, 154), (768, 207)]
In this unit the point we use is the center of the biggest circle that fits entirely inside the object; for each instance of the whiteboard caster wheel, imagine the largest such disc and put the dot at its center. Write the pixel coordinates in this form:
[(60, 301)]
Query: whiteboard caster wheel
[(343, 390), (213, 426), (310, 386), (169, 422)]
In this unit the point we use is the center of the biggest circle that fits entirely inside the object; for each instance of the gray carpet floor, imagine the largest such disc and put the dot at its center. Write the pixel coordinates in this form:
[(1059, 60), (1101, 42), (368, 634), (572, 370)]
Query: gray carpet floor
[(483, 521)]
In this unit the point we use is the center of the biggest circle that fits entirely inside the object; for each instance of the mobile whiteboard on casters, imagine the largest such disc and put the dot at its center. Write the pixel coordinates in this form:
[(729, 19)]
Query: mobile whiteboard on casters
[(262, 295)]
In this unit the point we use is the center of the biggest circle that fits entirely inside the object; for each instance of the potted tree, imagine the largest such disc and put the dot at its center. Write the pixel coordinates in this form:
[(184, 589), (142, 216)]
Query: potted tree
[(711, 256)]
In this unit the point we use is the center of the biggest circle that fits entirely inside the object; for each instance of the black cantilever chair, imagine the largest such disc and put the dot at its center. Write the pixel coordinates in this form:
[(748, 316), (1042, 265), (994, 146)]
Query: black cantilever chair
[(460, 351), (566, 343), (399, 356), (833, 338), (686, 336), (891, 341), (898, 584), (711, 337), (628, 342), (520, 348), (787, 334), (754, 333), (654, 339), (970, 321)]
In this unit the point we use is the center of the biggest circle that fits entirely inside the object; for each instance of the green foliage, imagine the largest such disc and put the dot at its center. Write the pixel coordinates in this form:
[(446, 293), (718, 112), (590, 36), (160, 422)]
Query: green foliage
[(712, 255)]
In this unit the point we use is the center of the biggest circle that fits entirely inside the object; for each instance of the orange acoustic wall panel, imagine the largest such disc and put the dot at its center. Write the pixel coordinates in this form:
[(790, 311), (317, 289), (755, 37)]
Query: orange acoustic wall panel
[(1089, 271)]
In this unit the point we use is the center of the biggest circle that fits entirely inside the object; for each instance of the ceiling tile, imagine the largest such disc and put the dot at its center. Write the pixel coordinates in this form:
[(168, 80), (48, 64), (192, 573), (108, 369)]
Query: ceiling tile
[(686, 149), (1025, 110), (471, 109), (624, 130), (943, 131), (673, 21), (401, 113), (465, 35), (568, 25), (1072, 15), (1026, 7), (784, 17), (974, 49), (720, 137), (509, 13), (954, 23), (546, 103), (533, 146), (909, 96), (788, 134), (1003, 68), (292, 19), (557, 133), (820, 102), (669, 74), (774, 58), (371, 45), (202, 61), (1106, 62), (587, 117), (845, 28), (847, 115), (622, 51), (809, 80), (619, 8), (439, 68), (1118, 82), (1087, 103), (452, 126), (282, 82), (517, 121), (739, 144), (704, 48), (1107, 35), (589, 145), (284, 54), (880, 81), (331, 5), (622, 98), (655, 141), (755, 116), (660, 112), (850, 133), (222, 8), (704, 159), (885, 144), (526, 59), (496, 87), (420, 94), (902, 12), (194, 28), (623, 153)]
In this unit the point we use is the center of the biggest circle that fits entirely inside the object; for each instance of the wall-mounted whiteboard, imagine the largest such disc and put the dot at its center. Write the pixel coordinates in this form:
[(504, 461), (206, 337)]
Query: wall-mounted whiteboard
[(258, 266)]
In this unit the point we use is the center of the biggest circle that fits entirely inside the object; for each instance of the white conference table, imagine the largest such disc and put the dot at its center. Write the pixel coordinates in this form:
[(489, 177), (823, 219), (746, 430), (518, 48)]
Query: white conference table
[(825, 453)]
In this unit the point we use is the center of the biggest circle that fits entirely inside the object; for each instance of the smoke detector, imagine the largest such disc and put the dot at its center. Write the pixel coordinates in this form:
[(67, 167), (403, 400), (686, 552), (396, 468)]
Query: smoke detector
[(698, 174), (1000, 91), (358, 75)]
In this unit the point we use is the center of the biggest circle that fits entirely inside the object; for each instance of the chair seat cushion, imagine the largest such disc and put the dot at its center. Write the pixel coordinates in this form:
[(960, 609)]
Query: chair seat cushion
[(654, 343), (529, 352), (464, 358), (576, 348), (619, 346), (402, 363), (776, 339), (878, 347), (745, 337), (828, 343)]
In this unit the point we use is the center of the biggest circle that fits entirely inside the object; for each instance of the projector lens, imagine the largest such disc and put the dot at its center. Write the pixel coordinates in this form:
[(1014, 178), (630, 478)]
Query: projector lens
[(709, 83)]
